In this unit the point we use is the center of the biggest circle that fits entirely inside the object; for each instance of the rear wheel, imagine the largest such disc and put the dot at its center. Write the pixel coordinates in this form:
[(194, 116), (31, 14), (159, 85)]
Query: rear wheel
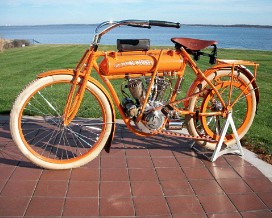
[(38, 129), (243, 110)]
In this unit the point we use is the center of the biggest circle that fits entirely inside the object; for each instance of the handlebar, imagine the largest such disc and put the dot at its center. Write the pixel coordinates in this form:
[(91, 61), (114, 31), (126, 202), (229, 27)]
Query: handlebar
[(109, 25), (150, 23), (164, 24)]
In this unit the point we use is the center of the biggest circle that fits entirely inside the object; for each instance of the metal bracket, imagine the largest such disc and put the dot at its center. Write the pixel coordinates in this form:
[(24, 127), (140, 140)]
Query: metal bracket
[(234, 149)]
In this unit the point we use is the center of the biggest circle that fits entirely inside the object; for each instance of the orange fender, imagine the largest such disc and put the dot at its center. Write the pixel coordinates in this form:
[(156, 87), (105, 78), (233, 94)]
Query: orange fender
[(209, 71)]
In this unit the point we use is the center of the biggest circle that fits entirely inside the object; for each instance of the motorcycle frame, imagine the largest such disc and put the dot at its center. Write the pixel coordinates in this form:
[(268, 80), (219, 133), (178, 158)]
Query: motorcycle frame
[(89, 62)]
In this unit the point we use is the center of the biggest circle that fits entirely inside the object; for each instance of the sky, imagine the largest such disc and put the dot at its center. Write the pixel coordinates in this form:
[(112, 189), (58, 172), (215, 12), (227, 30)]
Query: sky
[(226, 12)]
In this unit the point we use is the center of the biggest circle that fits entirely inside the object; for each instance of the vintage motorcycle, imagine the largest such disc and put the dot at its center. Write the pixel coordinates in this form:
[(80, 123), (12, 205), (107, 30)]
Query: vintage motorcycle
[(64, 118)]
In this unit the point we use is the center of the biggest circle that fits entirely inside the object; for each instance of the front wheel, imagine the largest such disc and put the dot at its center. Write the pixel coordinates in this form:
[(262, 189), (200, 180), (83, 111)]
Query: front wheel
[(38, 129), (230, 89)]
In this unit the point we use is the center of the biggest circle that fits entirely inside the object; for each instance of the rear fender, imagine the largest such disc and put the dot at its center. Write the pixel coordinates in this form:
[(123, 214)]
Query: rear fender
[(250, 76), (208, 72), (100, 86)]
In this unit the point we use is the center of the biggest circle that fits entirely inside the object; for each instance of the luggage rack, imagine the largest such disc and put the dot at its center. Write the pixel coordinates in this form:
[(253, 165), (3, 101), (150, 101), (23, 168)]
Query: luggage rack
[(241, 63)]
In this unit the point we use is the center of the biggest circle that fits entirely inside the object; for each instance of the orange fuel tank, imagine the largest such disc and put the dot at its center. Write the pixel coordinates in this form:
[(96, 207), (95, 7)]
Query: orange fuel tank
[(118, 63)]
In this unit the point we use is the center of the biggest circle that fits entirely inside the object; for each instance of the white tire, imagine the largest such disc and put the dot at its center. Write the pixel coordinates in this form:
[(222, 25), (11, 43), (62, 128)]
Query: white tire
[(37, 128), (243, 111)]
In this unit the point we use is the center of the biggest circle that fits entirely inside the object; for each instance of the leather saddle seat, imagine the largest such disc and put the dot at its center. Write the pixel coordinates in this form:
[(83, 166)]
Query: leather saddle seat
[(193, 44)]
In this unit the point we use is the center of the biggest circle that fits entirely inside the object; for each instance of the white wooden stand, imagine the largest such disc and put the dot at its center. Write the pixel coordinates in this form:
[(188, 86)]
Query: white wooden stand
[(234, 149)]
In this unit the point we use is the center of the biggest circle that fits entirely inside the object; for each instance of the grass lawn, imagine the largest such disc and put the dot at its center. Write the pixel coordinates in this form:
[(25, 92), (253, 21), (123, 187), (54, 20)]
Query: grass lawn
[(19, 66)]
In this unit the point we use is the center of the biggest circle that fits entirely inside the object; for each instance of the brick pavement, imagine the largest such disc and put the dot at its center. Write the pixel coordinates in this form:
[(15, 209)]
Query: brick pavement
[(141, 177)]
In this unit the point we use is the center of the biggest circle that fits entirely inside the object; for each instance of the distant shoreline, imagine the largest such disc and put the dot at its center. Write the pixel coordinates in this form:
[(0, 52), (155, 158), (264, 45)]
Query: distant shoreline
[(234, 25), (202, 25)]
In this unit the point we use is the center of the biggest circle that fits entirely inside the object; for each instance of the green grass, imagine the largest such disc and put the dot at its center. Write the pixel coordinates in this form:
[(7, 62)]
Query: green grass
[(19, 66)]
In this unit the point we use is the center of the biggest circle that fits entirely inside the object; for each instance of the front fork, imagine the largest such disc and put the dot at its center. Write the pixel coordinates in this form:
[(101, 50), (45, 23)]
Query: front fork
[(78, 87), (74, 99)]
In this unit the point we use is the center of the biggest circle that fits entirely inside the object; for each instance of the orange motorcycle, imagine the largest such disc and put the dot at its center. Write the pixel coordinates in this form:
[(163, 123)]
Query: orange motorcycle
[(64, 118)]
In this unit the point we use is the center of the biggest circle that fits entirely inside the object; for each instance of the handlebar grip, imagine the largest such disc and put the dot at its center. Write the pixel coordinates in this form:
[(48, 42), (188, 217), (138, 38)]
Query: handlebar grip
[(141, 26), (164, 24)]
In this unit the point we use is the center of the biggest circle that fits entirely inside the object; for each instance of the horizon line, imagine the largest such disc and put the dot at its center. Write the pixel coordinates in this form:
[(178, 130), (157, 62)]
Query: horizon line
[(95, 24)]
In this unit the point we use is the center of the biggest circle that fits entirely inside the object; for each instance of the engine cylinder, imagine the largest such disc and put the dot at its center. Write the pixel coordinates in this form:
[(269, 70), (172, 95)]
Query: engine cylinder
[(136, 88)]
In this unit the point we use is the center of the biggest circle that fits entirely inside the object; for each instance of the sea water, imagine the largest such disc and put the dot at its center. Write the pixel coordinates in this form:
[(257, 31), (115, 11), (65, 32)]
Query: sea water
[(227, 37)]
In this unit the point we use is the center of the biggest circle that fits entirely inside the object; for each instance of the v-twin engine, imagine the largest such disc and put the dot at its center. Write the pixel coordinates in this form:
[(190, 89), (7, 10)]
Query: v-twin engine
[(152, 118)]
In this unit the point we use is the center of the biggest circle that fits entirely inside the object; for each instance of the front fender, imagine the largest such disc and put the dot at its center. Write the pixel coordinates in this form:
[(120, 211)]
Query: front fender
[(56, 72), (100, 86)]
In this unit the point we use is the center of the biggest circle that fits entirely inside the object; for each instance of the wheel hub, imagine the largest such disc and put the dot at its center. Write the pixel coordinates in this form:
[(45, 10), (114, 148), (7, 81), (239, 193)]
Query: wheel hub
[(216, 105)]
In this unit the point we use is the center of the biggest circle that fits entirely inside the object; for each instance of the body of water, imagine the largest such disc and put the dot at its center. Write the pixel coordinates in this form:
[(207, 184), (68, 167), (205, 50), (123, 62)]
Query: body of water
[(227, 37)]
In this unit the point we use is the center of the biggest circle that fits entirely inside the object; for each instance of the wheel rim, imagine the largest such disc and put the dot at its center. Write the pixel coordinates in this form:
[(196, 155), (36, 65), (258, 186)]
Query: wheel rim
[(42, 130), (242, 110)]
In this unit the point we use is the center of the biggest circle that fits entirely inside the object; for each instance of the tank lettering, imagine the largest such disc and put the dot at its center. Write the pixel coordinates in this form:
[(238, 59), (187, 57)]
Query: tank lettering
[(133, 63)]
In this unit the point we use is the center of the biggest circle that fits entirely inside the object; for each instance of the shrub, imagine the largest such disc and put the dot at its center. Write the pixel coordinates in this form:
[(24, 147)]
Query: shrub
[(2, 44), (20, 43), (7, 44)]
